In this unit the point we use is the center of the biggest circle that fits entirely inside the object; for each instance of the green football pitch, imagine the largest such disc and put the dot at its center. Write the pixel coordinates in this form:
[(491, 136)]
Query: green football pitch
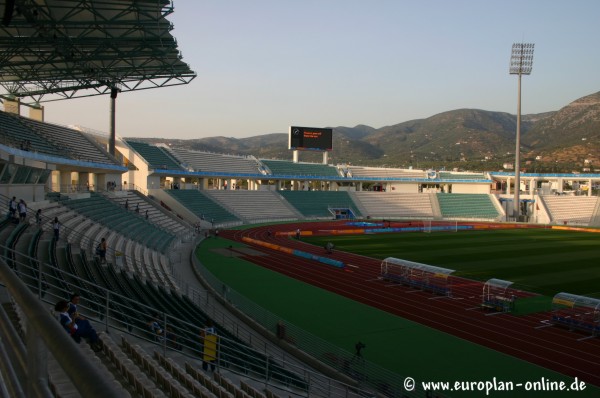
[(543, 261), (402, 346)]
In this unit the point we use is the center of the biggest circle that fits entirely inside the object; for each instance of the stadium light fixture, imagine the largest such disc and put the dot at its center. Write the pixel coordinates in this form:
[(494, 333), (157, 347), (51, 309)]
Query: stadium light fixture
[(521, 63)]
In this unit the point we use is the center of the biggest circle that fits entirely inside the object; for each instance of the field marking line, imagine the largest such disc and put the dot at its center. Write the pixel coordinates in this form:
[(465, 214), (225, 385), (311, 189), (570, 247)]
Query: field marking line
[(353, 266), (546, 323), (496, 313)]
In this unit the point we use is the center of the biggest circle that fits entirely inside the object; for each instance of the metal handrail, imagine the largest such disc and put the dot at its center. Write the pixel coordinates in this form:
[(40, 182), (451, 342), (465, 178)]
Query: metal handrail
[(77, 365), (119, 312)]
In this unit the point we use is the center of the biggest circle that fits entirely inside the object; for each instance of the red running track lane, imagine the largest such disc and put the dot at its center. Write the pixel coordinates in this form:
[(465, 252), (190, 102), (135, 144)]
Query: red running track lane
[(551, 347)]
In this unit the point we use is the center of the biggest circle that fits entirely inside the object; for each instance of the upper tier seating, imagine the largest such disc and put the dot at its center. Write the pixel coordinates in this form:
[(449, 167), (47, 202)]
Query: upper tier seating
[(155, 215), (282, 167), (395, 205), (355, 171), (444, 175), (128, 223), (217, 163), (254, 206), (15, 133), (467, 206), (77, 144), (202, 205), (571, 209), (157, 157), (313, 204)]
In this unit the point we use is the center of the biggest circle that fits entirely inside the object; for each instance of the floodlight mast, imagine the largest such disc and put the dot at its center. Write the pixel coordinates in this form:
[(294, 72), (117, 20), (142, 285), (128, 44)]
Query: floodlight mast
[(521, 62)]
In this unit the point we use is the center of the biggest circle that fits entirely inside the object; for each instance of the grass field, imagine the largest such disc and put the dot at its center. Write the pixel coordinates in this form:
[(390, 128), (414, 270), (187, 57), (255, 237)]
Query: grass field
[(402, 346), (543, 261)]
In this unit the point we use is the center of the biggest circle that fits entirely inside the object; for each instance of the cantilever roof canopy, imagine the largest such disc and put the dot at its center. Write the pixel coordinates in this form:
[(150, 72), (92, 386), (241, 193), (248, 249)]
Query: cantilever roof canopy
[(60, 49)]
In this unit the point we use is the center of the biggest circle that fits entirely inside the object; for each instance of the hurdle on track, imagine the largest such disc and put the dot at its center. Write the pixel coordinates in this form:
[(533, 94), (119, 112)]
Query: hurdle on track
[(421, 276)]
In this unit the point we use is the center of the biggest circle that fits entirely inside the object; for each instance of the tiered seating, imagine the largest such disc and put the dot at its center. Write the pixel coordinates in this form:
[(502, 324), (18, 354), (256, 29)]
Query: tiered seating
[(127, 293), (217, 163), (251, 391), (131, 371), (157, 157), (194, 380), (155, 216), (282, 167), (445, 175), (254, 205), (155, 374), (466, 206), (15, 133), (316, 203), (59, 383), (118, 219), (571, 209), (395, 205), (77, 144), (203, 206), (356, 171)]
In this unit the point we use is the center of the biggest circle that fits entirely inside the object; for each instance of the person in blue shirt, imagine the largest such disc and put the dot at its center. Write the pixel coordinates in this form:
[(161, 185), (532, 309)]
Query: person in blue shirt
[(77, 327)]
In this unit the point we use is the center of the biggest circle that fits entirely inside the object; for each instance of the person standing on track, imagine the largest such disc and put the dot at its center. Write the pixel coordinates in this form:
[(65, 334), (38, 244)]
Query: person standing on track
[(329, 247)]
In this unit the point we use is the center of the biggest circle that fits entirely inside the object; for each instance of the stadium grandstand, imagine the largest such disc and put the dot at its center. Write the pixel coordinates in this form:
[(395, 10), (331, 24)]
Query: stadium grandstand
[(152, 204), (216, 163), (152, 207)]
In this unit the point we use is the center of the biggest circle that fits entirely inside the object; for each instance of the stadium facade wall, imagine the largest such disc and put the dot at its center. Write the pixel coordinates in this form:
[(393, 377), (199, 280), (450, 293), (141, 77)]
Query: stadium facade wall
[(402, 188), (28, 192), (138, 178), (471, 188), (540, 212)]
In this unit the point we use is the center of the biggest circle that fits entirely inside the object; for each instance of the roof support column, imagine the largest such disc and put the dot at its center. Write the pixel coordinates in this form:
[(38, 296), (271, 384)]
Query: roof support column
[(113, 106)]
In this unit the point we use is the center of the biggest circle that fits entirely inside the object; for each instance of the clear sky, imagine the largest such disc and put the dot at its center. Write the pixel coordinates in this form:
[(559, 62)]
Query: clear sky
[(263, 65)]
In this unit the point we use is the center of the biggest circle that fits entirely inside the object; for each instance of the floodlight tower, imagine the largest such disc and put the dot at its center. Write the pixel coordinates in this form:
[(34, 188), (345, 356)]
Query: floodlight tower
[(521, 62)]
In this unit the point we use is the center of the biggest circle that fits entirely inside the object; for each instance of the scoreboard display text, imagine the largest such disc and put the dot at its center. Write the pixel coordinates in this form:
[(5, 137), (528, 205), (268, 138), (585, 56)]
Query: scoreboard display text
[(311, 138)]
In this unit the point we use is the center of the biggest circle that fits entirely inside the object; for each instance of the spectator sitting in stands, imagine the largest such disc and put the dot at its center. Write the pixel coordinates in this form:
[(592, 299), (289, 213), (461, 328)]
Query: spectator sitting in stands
[(73, 303), (77, 327), (155, 328), (159, 332), (38, 217)]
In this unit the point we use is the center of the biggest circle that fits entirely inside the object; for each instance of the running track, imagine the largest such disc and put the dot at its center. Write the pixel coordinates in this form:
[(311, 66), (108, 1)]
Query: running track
[(551, 347)]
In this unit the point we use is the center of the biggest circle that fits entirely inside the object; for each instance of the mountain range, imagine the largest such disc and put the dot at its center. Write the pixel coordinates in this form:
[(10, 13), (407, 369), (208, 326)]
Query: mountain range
[(566, 140)]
